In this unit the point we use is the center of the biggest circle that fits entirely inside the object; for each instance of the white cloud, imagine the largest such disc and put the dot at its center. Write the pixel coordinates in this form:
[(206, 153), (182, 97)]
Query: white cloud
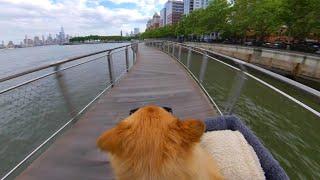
[(78, 17)]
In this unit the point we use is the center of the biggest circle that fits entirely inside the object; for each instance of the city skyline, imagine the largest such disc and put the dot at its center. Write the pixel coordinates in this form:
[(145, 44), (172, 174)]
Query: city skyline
[(85, 17), (40, 36)]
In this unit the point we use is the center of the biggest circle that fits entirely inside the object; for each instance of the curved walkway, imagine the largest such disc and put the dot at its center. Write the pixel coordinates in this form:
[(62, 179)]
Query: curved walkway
[(155, 79)]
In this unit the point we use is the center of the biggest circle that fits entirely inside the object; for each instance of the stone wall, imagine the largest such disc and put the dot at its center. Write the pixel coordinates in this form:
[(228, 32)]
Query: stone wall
[(296, 64)]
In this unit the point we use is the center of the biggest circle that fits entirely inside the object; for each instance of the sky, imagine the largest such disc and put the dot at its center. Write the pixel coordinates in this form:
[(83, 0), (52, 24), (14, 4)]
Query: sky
[(78, 17)]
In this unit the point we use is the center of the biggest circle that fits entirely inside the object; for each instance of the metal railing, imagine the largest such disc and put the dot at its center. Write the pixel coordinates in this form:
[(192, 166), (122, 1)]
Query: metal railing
[(241, 69), (243, 89), (38, 104)]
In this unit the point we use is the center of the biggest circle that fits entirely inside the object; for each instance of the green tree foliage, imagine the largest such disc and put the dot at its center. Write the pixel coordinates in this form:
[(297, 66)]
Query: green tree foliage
[(243, 18), (166, 31), (302, 17), (99, 38)]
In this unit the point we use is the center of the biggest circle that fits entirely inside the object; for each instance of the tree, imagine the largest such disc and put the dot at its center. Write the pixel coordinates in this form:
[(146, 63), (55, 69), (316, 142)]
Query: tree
[(243, 18), (215, 17), (302, 17), (265, 18)]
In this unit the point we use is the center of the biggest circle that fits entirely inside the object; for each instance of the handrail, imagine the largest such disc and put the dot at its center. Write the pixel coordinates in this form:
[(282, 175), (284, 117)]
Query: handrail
[(284, 79), (39, 68), (57, 70), (296, 84)]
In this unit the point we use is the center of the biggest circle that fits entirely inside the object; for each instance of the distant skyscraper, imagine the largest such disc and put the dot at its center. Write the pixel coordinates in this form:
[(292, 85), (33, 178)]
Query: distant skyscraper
[(163, 17), (2, 45), (136, 31), (10, 45), (25, 41), (121, 33), (49, 40), (149, 24), (36, 41), (154, 23), (61, 36), (174, 11), (190, 5), (43, 40)]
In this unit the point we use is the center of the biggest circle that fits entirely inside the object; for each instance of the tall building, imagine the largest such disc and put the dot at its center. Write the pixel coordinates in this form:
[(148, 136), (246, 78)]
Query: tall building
[(163, 17), (36, 41), (149, 24), (190, 5), (174, 11), (154, 23), (204, 3), (2, 45), (49, 40), (43, 40), (136, 31), (10, 45), (61, 36)]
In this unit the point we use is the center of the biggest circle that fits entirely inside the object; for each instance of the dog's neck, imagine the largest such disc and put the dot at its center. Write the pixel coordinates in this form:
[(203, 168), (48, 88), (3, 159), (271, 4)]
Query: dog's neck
[(146, 167)]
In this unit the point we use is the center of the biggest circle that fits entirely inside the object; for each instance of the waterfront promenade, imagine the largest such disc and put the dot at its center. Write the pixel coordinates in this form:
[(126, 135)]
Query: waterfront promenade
[(155, 79)]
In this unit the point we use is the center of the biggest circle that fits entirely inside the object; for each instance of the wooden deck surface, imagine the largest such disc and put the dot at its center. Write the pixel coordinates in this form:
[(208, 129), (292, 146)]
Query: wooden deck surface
[(155, 79)]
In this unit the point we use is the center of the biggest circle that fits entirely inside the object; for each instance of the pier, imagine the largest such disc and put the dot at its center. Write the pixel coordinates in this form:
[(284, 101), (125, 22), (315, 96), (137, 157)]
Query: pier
[(155, 79)]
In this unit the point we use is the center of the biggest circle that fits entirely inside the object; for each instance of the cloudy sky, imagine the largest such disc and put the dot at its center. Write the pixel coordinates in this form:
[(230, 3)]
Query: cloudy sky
[(78, 17)]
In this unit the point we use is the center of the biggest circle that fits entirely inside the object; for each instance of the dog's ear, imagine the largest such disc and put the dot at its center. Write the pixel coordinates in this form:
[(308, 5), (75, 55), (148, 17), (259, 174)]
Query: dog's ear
[(108, 140), (111, 140), (192, 129)]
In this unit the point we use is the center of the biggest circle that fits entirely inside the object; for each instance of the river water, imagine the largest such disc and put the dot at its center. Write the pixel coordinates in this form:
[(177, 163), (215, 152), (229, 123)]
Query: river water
[(288, 130), (31, 113)]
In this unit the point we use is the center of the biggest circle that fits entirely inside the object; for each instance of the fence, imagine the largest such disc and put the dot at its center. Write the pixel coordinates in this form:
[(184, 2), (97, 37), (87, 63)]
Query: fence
[(38, 104), (295, 64), (284, 123)]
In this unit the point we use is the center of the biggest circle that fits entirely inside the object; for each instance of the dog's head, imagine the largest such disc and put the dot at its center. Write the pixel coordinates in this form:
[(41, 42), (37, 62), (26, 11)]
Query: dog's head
[(151, 132)]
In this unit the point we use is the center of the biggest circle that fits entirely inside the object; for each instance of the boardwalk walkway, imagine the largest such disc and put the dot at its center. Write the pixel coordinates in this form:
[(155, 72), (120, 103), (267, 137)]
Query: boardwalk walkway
[(155, 79)]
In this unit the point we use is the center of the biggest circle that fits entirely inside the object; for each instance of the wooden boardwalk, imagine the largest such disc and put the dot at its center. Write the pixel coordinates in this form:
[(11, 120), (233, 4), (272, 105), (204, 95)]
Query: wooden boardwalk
[(155, 79)]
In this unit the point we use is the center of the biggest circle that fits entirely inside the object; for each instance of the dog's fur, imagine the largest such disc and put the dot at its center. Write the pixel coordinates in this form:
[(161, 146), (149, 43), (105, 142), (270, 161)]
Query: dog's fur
[(152, 144)]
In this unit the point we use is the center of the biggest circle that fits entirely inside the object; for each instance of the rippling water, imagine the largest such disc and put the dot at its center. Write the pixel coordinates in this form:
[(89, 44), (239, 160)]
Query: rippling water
[(33, 112), (289, 131)]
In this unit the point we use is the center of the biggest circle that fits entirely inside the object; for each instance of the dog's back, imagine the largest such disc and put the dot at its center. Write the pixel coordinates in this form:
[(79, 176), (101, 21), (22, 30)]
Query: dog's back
[(153, 144)]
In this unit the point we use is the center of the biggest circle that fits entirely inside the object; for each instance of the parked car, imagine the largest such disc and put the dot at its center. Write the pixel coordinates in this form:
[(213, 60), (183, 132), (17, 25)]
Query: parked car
[(279, 45), (267, 45), (248, 43), (306, 47)]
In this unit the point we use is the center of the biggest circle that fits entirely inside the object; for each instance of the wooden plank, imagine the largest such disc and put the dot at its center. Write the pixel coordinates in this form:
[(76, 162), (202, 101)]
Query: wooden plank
[(155, 79)]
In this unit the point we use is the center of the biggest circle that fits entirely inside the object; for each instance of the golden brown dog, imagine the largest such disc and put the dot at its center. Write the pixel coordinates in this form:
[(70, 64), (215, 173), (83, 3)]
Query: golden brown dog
[(152, 144)]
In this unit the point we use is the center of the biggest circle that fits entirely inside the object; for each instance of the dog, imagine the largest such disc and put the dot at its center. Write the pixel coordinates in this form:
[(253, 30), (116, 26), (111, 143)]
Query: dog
[(152, 144)]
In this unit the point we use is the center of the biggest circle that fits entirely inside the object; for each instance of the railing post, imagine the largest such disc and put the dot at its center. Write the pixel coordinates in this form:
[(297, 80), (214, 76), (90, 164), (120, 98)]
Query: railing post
[(127, 58), (235, 92), (179, 54), (133, 53), (64, 91), (189, 58), (168, 47), (203, 67), (315, 69), (137, 48), (173, 45), (110, 67)]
